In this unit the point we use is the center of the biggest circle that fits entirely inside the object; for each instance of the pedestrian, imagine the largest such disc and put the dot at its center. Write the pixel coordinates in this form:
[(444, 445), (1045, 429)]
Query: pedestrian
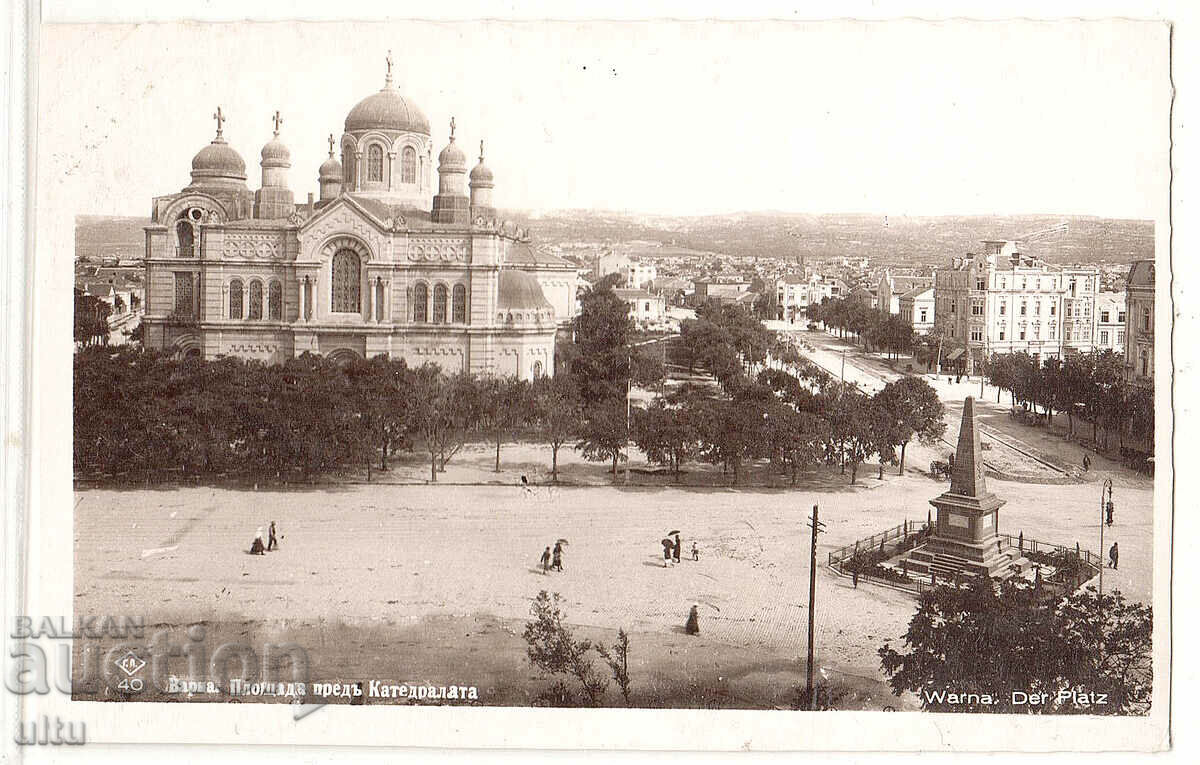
[(256, 547), (1021, 540), (1087, 463), (695, 551), (668, 546), (678, 546), (556, 564), (1108, 515), (854, 577), (693, 620), (1112, 556), (546, 560), (272, 542), (525, 485), (999, 546)]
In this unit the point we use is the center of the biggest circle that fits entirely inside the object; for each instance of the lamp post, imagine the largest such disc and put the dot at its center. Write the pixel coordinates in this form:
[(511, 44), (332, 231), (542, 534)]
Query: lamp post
[(1104, 506)]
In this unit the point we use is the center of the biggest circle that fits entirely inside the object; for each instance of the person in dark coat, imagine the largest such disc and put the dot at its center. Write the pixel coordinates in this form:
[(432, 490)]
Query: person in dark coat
[(854, 577), (256, 547), (693, 621), (667, 549), (272, 542), (678, 547), (546, 560), (557, 562), (1112, 556), (1021, 540)]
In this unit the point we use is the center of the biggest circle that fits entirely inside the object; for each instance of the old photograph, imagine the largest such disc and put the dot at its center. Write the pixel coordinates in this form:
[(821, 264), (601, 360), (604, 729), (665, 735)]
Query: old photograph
[(788, 366)]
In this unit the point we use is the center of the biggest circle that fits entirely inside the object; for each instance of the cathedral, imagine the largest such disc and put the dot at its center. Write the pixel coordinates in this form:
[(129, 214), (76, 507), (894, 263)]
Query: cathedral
[(382, 263)]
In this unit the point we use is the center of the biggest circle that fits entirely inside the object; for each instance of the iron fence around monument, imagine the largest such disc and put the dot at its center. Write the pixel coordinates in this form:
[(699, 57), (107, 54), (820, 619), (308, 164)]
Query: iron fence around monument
[(906, 535)]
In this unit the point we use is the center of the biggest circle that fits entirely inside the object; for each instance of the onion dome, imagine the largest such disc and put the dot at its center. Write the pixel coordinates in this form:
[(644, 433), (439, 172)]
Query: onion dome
[(387, 110), (452, 159), (481, 174), (274, 153), (218, 159), (331, 169)]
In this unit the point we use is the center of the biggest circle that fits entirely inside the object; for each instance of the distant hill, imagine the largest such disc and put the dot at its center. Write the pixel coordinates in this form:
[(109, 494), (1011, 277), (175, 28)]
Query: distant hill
[(104, 236), (903, 240)]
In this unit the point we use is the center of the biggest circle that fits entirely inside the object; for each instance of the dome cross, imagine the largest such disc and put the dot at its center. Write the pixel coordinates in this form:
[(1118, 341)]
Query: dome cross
[(451, 128), (481, 151), (278, 121), (331, 142), (219, 116), (388, 78)]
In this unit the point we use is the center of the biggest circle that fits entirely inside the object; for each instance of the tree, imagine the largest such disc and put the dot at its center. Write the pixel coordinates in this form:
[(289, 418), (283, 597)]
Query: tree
[(604, 434), (505, 404), (552, 648), (664, 433), (984, 641), (442, 410), (558, 413), (912, 404)]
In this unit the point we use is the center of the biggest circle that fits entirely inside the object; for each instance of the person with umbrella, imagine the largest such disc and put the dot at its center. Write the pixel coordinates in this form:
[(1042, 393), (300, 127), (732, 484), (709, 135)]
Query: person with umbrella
[(558, 553), (678, 547)]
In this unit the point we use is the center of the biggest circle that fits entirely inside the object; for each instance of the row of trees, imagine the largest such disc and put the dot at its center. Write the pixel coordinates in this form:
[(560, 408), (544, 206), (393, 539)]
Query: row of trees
[(139, 413), (91, 319), (1091, 386), (874, 329)]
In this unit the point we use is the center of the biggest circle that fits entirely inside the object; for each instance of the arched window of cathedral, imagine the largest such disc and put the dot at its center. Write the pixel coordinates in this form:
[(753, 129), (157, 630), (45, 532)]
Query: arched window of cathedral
[(347, 287), (439, 304), (235, 299), (408, 165), (275, 301), (255, 300), (420, 304), (378, 300), (187, 236), (537, 369), (348, 165), (375, 164), (460, 304)]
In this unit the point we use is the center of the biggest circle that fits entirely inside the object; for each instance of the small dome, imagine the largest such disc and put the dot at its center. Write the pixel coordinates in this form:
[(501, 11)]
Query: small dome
[(218, 159), (276, 153), (452, 159), (481, 172), (520, 290), (331, 170), (387, 110)]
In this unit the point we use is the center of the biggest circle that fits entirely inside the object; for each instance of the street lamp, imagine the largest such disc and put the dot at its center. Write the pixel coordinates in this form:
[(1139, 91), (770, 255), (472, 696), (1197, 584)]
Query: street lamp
[(1106, 511)]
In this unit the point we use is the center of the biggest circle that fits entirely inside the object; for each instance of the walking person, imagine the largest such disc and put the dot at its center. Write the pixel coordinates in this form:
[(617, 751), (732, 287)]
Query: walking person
[(1112, 556), (668, 547), (556, 563), (546, 561), (854, 576), (693, 621), (675, 554), (1021, 541), (1087, 463), (695, 551), (272, 542), (256, 547)]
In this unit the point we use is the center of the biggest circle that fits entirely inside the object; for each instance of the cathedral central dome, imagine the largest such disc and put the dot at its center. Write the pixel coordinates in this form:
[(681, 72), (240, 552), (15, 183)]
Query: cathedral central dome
[(387, 110)]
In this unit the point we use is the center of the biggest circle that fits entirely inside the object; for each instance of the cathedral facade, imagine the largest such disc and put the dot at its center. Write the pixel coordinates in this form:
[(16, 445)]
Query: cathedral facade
[(382, 263)]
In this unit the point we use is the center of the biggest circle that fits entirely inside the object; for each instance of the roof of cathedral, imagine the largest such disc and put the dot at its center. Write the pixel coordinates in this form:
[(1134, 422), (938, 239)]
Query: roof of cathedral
[(520, 290), (331, 169), (275, 152), (525, 254), (387, 110), (452, 158), (219, 159), (481, 172)]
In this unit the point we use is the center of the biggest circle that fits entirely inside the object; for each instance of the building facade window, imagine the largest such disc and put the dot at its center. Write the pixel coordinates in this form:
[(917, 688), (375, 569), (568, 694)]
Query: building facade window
[(439, 304), (1104, 317), (375, 164), (1121, 317), (275, 301), (348, 166), (1037, 308), (1001, 334), (408, 165), (459, 307), (980, 284), (187, 239), (977, 335), (1053, 308), (1145, 358), (1103, 337), (346, 288), (1145, 319), (420, 304), (184, 294), (235, 299), (923, 316), (1024, 307), (537, 369), (1022, 333), (256, 300)]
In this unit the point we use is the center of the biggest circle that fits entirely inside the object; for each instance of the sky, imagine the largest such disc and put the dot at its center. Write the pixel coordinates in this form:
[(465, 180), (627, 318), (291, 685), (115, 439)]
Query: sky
[(684, 118)]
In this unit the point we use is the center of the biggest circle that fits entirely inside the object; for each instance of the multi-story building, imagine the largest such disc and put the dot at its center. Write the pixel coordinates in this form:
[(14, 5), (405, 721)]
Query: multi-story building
[(1110, 321), (720, 291), (645, 309), (637, 272), (1079, 303), (791, 299), (1002, 302), (892, 287), (1139, 322), (917, 308)]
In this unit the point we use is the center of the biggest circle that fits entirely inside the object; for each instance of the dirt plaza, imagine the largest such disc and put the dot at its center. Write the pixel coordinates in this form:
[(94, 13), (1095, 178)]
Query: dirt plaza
[(444, 575)]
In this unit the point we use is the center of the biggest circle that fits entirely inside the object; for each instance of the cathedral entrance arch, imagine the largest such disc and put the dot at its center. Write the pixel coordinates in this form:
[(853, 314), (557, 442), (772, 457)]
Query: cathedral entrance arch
[(343, 356), (188, 347)]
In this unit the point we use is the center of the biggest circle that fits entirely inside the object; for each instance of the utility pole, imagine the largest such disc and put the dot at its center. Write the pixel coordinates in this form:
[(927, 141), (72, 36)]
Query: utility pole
[(628, 410), (817, 527), (1106, 485)]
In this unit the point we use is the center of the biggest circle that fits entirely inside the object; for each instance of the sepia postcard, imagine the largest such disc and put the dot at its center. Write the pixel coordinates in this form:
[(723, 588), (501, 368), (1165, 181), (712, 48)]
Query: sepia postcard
[(654, 384)]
